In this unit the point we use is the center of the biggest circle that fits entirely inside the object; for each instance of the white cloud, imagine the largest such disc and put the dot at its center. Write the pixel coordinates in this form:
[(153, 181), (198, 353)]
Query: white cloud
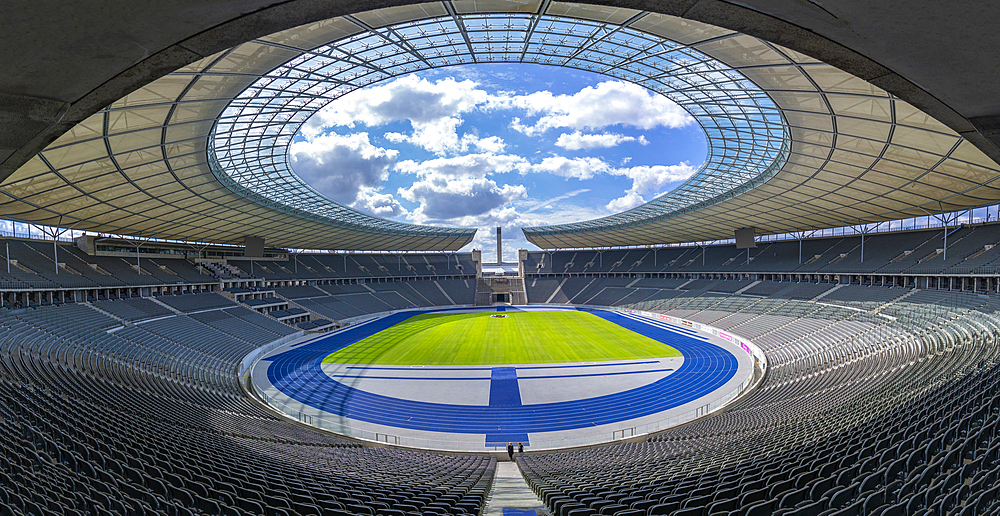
[(441, 137), (468, 165), (625, 202), (457, 187), (492, 144), (395, 137), (433, 109), (379, 204), (448, 194), (341, 166), (405, 98), (580, 168), (648, 180), (609, 103), (547, 203), (461, 201), (578, 140)]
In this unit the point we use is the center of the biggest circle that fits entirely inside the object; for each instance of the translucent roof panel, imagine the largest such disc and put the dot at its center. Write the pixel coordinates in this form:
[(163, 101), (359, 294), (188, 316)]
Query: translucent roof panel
[(748, 140), (855, 154), (795, 144)]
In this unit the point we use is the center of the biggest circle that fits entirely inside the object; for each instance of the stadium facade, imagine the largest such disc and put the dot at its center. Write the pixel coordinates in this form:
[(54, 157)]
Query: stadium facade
[(123, 360)]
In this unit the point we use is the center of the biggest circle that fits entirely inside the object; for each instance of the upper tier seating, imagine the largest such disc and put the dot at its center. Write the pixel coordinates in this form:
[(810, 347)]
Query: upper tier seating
[(35, 267), (970, 248), (306, 266)]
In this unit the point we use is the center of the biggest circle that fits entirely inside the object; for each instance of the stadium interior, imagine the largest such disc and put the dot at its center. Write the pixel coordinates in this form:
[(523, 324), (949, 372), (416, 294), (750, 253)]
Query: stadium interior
[(124, 350)]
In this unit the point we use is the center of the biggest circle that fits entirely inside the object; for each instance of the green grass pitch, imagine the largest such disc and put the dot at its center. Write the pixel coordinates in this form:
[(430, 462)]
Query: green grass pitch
[(521, 338)]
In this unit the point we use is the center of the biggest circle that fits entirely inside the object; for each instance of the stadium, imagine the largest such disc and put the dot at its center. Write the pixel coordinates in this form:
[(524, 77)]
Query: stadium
[(805, 323)]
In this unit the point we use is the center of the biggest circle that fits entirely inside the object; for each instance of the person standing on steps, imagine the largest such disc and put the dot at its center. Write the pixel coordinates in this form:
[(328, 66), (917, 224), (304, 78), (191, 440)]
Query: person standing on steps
[(510, 450), (520, 450)]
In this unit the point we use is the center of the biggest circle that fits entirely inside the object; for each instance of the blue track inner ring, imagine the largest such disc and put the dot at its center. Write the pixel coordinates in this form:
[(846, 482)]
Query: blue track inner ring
[(298, 374)]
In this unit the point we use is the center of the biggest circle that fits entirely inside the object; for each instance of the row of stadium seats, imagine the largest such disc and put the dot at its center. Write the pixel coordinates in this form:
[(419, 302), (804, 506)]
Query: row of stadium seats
[(616, 291), (344, 301), (33, 267), (878, 404), (308, 266), (859, 414), (913, 252), (150, 419), (970, 248)]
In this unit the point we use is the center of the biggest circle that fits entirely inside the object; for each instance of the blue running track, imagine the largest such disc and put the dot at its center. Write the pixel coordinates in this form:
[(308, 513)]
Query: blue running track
[(298, 374)]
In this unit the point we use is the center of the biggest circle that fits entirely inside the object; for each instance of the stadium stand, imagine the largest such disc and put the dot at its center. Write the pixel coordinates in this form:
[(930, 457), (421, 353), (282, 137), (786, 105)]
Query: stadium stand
[(340, 301), (895, 253), (540, 289), (878, 399), (150, 419), (32, 267), (120, 372), (310, 266), (313, 324), (840, 425), (195, 302), (133, 310), (258, 320)]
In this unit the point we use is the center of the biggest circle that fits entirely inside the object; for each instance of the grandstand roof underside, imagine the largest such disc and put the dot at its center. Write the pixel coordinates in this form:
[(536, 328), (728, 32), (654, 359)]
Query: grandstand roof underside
[(888, 113)]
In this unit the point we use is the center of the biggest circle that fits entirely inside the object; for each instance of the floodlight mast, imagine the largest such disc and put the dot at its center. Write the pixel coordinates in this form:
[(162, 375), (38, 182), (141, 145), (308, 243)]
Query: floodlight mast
[(499, 261)]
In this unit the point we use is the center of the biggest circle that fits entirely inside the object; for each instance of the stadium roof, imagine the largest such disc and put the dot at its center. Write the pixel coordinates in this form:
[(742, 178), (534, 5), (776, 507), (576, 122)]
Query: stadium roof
[(199, 154)]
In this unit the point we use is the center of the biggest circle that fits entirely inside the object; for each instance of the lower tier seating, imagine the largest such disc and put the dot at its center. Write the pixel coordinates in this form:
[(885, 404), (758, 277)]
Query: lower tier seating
[(883, 405), (892, 410), (150, 419)]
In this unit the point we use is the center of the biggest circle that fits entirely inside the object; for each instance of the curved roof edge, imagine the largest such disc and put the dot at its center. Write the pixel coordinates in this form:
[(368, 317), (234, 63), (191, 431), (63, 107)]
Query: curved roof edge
[(37, 121), (646, 214), (378, 225), (249, 146), (830, 182)]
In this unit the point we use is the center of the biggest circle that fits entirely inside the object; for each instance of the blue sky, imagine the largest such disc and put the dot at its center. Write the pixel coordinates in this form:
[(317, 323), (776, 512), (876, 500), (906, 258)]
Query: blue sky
[(498, 144)]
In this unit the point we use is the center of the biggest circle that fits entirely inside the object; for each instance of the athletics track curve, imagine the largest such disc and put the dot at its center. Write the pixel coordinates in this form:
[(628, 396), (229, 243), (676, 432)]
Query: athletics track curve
[(299, 375)]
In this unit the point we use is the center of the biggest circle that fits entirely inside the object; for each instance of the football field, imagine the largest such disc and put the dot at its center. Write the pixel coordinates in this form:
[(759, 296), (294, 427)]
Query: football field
[(528, 337)]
